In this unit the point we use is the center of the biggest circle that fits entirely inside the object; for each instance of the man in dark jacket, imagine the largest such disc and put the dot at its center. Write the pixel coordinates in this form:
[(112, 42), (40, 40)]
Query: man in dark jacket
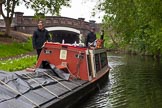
[(91, 37), (40, 36)]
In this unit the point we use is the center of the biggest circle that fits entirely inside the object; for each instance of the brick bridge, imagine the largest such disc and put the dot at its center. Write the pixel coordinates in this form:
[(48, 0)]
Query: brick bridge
[(69, 27)]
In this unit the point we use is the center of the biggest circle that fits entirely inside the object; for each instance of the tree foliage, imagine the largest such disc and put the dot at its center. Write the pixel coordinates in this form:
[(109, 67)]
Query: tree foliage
[(7, 8), (136, 24)]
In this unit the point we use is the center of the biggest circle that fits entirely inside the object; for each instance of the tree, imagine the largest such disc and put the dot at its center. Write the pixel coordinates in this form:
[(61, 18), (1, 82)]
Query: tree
[(7, 8), (137, 23)]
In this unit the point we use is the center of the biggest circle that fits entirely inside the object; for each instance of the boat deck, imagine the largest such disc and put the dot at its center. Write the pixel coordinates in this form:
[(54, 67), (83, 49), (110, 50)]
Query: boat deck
[(24, 89)]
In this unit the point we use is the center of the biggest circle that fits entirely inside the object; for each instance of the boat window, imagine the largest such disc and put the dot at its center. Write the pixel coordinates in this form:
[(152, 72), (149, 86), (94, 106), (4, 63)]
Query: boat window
[(100, 61), (97, 62), (103, 57)]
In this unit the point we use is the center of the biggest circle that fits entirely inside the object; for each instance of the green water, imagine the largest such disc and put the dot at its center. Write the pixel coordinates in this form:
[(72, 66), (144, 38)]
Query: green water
[(135, 82)]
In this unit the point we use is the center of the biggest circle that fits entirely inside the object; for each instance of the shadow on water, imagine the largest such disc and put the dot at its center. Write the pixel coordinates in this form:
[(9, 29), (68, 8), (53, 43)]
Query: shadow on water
[(135, 82)]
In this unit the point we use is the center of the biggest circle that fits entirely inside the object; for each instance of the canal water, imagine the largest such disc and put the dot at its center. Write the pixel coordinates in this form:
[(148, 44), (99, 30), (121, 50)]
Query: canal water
[(134, 82)]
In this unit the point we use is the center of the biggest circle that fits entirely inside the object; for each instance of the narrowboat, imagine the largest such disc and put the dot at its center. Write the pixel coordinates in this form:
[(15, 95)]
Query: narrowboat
[(63, 75)]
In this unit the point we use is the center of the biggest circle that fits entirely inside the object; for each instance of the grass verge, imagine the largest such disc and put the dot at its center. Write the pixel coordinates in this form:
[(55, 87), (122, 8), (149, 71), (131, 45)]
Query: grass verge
[(13, 49), (18, 63)]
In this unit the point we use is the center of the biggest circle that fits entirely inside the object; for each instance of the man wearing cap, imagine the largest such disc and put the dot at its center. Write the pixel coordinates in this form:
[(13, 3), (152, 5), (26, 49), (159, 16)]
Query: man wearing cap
[(40, 36), (91, 37)]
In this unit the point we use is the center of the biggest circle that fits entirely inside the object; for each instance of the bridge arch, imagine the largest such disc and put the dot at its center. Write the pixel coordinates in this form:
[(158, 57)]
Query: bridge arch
[(58, 28), (68, 34)]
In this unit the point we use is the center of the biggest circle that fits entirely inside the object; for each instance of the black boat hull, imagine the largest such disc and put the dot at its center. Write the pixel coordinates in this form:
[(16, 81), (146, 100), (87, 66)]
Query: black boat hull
[(71, 99)]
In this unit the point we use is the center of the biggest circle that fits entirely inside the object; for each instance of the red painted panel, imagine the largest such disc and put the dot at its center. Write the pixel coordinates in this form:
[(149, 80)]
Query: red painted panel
[(78, 67)]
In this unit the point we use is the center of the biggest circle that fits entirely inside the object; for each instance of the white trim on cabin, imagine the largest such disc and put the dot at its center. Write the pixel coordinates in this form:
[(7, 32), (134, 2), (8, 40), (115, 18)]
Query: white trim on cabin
[(63, 28)]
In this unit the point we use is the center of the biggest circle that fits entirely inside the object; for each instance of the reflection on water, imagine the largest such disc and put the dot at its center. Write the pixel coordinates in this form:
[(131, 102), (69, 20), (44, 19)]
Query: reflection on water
[(135, 82)]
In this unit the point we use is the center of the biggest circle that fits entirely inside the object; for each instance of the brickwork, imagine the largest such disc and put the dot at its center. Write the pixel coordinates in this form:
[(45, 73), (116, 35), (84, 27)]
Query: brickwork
[(28, 24)]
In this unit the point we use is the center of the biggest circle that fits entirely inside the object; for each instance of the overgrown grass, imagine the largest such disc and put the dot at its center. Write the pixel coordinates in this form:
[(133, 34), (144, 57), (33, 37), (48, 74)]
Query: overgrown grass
[(18, 63), (13, 49)]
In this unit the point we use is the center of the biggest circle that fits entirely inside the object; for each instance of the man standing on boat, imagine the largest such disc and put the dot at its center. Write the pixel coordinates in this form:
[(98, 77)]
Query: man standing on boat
[(91, 38), (40, 36)]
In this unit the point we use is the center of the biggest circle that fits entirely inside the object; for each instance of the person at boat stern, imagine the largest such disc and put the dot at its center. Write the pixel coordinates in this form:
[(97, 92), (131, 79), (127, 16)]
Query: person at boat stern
[(91, 38), (40, 36), (100, 42)]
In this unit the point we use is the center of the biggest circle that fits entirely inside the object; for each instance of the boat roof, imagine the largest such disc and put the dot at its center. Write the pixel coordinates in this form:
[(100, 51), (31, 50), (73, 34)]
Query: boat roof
[(24, 89)]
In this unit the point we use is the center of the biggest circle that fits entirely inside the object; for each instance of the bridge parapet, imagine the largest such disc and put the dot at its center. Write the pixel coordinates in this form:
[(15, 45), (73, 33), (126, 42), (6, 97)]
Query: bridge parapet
[(28, 24)]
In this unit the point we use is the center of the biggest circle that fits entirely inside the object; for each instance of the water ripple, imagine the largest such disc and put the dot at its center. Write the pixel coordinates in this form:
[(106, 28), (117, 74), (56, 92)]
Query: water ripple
[(135, 82)]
